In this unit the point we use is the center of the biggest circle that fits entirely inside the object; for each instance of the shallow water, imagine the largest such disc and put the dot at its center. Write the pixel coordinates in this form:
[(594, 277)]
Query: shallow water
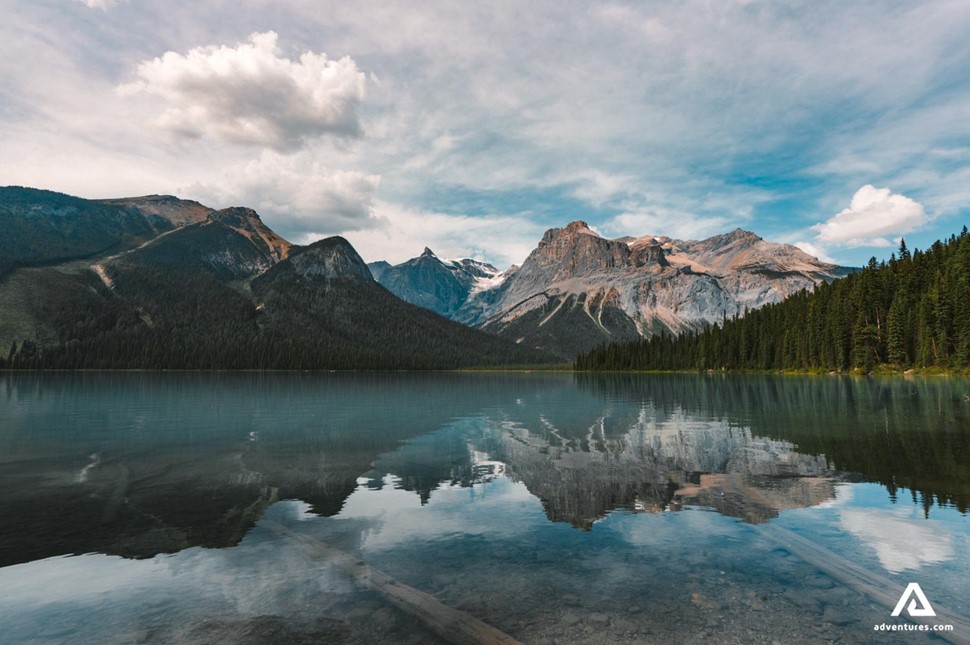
[(556, 508)]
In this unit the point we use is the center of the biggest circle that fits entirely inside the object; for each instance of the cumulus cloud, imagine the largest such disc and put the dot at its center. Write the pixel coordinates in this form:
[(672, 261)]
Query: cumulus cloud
[(873, 214), (250, 94), (296, 194)]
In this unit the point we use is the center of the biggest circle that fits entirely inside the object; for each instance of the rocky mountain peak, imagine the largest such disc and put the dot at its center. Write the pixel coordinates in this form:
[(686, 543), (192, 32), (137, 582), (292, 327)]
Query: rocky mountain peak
[(178, 212), (236, 217), (574, 251), (737, 235), (741, 234), (579, 226), (247, 222), (439, 285), (644, 254), (578, 289), (330, 258)]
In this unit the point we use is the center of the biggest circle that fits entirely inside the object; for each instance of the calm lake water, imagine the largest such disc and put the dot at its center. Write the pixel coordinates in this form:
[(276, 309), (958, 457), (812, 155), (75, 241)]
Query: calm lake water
[(561, 508)]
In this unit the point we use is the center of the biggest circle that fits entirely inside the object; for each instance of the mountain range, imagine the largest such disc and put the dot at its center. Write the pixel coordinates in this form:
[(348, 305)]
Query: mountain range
[(161, 282), (578, 290), (157, 282)]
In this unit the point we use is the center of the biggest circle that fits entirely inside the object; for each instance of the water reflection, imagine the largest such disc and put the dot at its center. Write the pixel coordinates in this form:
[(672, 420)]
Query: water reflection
[(900, 541), (138, 464), (657, 463), (910, 434), (470, 487)]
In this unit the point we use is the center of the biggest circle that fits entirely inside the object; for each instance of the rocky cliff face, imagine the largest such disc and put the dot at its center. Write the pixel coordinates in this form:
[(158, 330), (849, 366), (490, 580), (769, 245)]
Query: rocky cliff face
[(577, 290), (247, 223)]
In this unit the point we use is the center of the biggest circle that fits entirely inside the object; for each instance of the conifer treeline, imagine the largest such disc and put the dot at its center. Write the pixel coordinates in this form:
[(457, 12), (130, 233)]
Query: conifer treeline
[(912, 311)]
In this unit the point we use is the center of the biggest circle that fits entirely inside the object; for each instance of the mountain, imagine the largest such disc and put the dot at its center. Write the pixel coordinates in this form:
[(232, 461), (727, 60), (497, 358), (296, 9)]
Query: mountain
[(41, 227), (151, 266), (178, 212), (577, 290), (229, 244), (49, 240), (377, 268), (211, 289), (324, 296), (442, 286), (910, 312)]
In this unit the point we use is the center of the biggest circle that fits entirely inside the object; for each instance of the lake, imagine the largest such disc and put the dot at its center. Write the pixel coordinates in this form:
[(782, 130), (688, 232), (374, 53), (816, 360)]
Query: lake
[(421, 508)]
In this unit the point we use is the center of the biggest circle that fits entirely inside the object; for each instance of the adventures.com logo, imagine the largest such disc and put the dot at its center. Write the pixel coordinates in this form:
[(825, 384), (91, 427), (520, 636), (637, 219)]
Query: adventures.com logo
[(919, 607)]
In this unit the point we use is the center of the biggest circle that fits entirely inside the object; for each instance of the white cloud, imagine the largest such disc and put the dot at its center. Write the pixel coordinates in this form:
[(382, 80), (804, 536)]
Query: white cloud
[(296, 194), (403, 232), (492, 101), (900, 543), (104, 5), (816, 252), (250, 94), (873, 214)]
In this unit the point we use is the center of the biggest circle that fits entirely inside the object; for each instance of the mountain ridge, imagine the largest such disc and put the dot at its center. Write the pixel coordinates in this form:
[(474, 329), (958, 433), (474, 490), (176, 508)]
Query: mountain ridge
[(575, 290), (430, 282), (578, 289), (220, 290)]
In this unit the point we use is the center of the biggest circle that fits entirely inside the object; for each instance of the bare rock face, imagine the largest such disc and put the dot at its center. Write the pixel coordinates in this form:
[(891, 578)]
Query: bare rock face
[(575, 250), (577, 289), (248, 223)]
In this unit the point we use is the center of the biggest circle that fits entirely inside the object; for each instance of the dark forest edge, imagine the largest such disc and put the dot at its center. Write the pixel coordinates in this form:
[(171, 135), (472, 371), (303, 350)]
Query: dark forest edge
[(911, 312)]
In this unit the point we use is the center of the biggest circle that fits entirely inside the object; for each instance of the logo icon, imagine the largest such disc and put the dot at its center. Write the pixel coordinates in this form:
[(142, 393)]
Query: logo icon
[(915, 610)]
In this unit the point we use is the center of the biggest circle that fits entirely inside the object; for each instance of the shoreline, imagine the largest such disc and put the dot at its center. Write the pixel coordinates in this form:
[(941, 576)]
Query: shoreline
[(520, 369)]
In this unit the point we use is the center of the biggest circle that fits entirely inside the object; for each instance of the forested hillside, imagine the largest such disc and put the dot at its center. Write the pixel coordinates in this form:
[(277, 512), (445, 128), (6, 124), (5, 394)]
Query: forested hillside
[(160, 283), (912, 311), (42, 227), (318, 310)]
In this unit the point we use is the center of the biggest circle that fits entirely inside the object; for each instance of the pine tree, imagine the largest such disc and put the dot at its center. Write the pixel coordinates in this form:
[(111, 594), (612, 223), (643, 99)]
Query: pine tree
[(896, 345)]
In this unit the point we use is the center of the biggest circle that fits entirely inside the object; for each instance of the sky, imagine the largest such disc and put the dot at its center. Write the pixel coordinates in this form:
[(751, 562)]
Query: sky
[(471, 128)]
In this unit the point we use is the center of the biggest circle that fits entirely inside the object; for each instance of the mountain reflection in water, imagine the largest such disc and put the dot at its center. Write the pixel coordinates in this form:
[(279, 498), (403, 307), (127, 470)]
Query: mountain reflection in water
[(646, 463), (909, 434), (139, 464), (465, 489)]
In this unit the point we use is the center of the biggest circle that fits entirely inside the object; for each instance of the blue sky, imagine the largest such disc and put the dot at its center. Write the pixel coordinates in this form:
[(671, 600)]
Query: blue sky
[(473, 127)]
